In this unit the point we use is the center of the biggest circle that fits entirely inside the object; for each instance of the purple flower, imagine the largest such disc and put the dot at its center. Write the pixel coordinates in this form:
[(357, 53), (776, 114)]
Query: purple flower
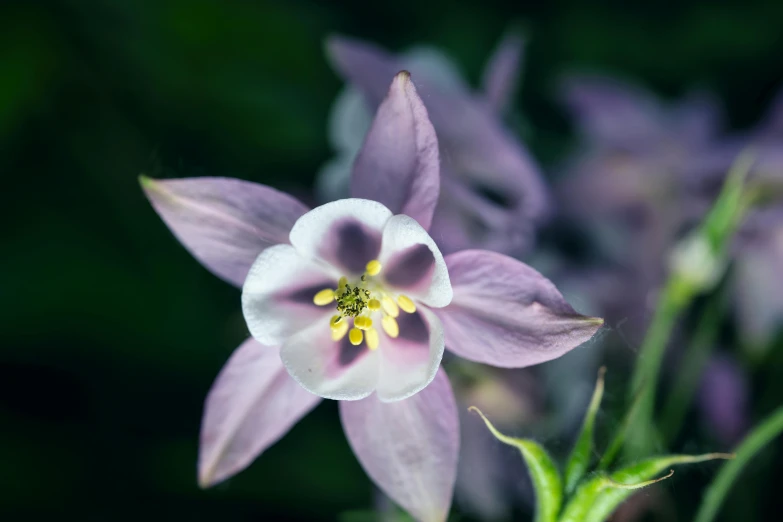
[(491, 193), (316, 285)]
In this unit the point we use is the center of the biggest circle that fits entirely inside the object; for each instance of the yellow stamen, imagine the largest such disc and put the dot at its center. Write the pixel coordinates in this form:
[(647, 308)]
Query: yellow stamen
[(341, 284), (406, 304), (324, 297), (372, 338), (390, 326), (362, 323), (389, 306), (336, 322), (374, 305), (339, 332), (374, 267), (355, 336)]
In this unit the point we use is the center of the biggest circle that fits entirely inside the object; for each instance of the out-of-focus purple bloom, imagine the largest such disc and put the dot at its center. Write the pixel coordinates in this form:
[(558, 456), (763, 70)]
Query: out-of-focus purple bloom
[(638, 177), (371, 255), (491, 195), (723, 398)]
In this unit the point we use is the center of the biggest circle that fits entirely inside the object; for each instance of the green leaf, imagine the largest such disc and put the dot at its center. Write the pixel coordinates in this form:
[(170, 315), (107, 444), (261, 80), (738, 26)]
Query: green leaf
[(546, 478), (753, 443), (582, 452), (598, 497)]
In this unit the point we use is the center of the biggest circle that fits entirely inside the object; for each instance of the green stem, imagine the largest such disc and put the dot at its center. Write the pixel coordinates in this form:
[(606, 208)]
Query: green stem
[(691, 367), (753, 443), (675, 297)]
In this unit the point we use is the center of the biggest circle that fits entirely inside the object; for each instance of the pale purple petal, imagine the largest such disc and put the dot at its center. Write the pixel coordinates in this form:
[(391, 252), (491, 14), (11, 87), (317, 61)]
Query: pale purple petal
[(345, 234), (225, 223), (364, 65), (413, 264), (502, 72), (506, 314), (410, 361), (251, 405), (331, 369), (398, 164), (477, 215), (277, 297), (611, 112), (409, 448)]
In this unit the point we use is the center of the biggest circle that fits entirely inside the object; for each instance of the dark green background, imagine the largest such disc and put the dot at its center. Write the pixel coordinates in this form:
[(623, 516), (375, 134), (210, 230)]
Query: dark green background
[(110, 334)]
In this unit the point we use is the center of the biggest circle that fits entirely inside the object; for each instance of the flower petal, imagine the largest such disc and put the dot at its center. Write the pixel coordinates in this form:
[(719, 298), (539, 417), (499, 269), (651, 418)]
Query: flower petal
[(331, 369), (506, 314), (398, 164), (409, 448), (612, 112), (277, 298), (252, 403), (225, 223), (413, 263), (410, 361), (364, 65), (346, 233), (502, 72)]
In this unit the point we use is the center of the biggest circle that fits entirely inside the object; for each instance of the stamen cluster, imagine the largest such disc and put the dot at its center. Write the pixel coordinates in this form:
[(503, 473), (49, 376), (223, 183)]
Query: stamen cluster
[(359, 302)]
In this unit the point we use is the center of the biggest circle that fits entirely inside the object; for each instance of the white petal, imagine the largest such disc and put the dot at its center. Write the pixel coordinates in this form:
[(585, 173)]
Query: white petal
[(410, 361), (277, 298), (334, 370), (345, 234), (413, 263)]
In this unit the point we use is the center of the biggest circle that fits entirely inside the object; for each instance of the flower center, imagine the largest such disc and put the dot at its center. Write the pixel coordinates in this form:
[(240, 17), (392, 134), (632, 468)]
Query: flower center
[(359, 302)]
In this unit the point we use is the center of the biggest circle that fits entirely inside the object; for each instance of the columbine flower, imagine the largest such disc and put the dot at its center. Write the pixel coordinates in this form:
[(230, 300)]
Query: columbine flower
[(350, 299), (491, 193)]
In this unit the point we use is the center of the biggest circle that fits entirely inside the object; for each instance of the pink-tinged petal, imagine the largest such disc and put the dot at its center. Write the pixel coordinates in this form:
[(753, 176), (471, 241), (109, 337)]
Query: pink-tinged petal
[(502, 72), (506, 314), (410, 361), (413, 264), (331, 369), (345, 234), (398, 164), (277, 297), (409, 448), (225, 223), (251, 405)]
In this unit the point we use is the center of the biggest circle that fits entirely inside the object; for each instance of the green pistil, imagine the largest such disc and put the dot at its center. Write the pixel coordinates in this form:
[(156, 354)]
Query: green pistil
[(352, 301)]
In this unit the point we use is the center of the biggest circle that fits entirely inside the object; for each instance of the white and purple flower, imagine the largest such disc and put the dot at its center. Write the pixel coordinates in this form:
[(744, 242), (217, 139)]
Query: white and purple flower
[(353, 301)]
